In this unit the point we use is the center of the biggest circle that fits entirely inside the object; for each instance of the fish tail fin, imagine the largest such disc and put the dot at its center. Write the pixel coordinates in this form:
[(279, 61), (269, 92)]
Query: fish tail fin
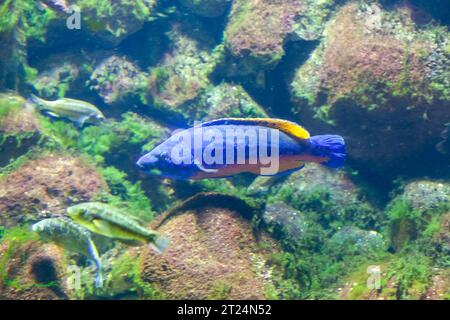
[(160, 243), (96, 258), (99, 278), (330, 146)]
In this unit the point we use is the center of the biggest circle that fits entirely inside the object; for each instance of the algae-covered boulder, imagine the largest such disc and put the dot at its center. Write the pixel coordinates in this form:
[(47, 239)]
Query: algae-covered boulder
[(206, 8), (183, 72), (439, 232), (116, 78), (44, 186), (331, 195), (66, 74), (426, 195), (355, 241), (408, 276), (31, 270), (20, 128), (283, 218), (224, 101), (213, 251), (416, 210), (439, 288), (111, 22), (380, 79), (257, 30)]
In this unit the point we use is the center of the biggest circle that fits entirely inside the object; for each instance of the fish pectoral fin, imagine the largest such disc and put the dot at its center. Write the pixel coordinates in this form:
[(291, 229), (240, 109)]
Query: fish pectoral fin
[(51, 114), (96, 258), (102, 226), (160, 243), (80, 122), (200, 166)]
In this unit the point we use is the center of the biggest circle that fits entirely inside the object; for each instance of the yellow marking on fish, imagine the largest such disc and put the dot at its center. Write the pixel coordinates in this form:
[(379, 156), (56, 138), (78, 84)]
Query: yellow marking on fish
[(110, 230), (288, 127)]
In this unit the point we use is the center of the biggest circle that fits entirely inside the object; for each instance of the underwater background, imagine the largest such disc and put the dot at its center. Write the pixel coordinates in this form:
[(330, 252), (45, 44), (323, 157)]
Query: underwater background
[(375, 72)]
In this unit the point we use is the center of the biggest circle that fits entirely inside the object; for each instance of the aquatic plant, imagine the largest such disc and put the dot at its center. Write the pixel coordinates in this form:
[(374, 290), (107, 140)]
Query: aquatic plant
[(127, 194), (26, 15), (10, 103)]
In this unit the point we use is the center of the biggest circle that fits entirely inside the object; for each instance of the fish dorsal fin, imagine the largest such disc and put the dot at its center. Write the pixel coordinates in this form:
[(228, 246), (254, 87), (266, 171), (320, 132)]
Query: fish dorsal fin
[(290, 128)]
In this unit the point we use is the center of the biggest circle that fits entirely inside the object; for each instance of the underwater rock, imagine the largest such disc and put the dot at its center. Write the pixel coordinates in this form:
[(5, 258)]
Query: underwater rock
[(263, 186), (440, 285), (213, 251), (331, 195), (116, 77), (425, 195), (44, 186), (355, 241), (411, 212), (206, 8), (224, 101), (111, 22), (372, 79), (257, 30), (118, 266), (32, 270), (409, 276), (440, 240), (183, 73), (66, 74), (289, 221), (15, 118), (21, 21), (20, 128)]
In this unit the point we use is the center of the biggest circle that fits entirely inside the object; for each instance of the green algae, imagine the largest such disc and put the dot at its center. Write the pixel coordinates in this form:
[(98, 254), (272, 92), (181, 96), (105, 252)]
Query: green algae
[(27, 15), (127, 194)]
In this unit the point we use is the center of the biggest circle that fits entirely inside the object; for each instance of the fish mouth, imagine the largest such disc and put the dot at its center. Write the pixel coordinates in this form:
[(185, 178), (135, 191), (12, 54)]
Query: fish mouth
[(140, 164)]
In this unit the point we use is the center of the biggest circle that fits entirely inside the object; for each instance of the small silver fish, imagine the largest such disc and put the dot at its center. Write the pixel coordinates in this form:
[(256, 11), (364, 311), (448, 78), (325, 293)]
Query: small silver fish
[(111, 222), (71, 236), (78, 111)]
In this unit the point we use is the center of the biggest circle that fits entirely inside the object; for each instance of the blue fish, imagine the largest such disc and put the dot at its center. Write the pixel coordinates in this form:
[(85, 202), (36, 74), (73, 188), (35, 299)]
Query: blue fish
[(226, 147)]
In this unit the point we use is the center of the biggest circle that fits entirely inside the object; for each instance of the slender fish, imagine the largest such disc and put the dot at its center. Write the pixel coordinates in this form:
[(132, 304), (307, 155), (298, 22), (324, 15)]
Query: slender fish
[(71, 236), (108, 221), (78, 111)]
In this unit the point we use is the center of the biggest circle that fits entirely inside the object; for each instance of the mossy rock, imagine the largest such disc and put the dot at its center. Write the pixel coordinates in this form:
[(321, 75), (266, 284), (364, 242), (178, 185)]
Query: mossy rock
[(384, 88), (257, 31), (226, 100), (65, 74), (330, 195), (45, 186), (20, 128), (113, 22), (416, 210), (31, 270), (116, 78), (407, 276), (183, 73), (213, 252)]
